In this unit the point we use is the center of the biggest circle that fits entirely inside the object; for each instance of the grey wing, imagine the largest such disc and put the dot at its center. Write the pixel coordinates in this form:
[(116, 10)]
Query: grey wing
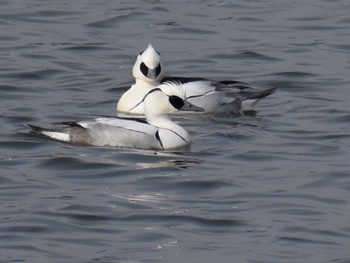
[(118, 132), (207, 95), (243, 90)]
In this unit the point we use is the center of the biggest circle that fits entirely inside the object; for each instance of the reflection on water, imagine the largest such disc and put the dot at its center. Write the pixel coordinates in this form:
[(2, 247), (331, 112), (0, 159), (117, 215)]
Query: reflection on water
[(141, 198), (172, 160), (270, 186)]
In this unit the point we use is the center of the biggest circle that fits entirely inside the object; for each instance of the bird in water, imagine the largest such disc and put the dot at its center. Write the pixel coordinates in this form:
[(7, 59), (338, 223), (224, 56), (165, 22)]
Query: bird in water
[(158, 132), (212, 96)]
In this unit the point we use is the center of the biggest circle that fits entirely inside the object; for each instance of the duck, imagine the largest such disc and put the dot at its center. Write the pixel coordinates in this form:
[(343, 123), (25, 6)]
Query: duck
[(213, 96), (157, 132)]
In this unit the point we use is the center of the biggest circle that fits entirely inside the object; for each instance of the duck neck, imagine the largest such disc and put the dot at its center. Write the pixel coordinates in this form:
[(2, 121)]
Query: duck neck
[(164, 122), (161, 121), (146, 84)]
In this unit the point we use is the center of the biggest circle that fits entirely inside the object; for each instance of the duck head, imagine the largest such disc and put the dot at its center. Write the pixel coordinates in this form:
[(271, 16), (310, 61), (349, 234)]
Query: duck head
[(157, 103), (148, 66)]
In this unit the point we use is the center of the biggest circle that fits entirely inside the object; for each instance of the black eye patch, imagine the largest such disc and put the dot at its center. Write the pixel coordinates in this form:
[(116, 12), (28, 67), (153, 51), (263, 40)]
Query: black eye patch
[(158, 69), (144, 69), (177, 102)]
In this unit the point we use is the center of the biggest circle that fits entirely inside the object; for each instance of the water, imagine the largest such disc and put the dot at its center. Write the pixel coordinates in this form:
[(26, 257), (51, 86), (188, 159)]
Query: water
[(270, 187)]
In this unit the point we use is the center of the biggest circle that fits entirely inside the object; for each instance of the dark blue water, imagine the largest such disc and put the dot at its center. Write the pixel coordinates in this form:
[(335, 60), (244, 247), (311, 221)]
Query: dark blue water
[(269, 187)]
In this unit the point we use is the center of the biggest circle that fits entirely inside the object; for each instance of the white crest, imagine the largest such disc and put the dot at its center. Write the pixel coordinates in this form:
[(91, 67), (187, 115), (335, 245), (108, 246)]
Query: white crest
[(150, 57), (148, 67), (173, 88)]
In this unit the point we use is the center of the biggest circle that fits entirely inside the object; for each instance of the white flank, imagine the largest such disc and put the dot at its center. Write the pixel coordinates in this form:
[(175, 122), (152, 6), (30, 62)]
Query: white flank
[(57, 135)]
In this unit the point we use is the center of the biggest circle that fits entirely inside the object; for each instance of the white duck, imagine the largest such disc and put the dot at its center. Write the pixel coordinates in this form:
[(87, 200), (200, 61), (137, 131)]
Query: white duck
[(157, 132), (212, 96)]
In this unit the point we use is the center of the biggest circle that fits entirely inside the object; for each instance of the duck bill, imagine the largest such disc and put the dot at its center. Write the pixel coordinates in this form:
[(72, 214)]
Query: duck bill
[(152, 74), (191, 107)]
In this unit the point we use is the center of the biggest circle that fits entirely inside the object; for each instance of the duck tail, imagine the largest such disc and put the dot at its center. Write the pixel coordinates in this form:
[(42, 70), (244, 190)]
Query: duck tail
[(36, 129), (60, 135), (251, 98), (259, 94)]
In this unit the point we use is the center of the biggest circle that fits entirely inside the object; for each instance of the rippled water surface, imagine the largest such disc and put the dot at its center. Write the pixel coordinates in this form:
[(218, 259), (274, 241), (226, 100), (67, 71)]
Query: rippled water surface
[(267, 187)]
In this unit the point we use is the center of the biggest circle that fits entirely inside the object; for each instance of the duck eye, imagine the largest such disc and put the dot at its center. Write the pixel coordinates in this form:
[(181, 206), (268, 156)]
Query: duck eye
[(158, 69), (144, 69), (177, 102)]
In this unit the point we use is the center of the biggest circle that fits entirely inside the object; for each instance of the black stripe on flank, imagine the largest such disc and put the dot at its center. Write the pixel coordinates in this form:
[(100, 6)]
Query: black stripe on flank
[(158, 139), (200, 95), (77, 125), (182, 80), (181, 137), (134, 119), (178, 135), (153, 90)]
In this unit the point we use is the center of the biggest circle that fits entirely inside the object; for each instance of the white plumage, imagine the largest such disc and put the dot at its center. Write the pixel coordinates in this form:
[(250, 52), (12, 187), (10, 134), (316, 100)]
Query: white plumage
[(157, 132), (212, 96)]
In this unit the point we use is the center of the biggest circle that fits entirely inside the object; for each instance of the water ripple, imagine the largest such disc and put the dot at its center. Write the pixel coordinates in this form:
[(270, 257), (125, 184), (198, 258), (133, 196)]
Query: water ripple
[(113, 21), (272, 186)]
